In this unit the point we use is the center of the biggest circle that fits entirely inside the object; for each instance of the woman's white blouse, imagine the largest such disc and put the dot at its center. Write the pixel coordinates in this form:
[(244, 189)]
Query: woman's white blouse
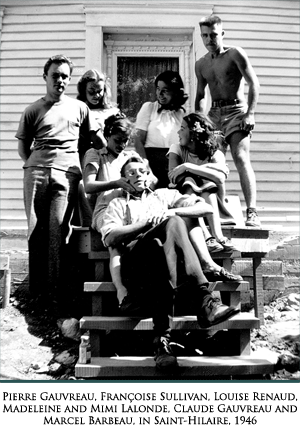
[(162, 128)]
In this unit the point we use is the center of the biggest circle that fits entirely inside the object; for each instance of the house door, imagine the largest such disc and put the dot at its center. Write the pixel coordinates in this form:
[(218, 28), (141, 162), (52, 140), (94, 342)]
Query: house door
[(135, 80)]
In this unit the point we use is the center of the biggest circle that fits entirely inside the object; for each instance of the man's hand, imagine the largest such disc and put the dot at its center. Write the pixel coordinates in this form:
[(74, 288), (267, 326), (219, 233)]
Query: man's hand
[(156, 219), (248, 122)]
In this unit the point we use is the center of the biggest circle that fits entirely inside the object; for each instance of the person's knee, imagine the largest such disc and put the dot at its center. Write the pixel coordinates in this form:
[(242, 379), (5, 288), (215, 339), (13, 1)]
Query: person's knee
[(240, 163), (175, 220), (177, 225), (190, 223)]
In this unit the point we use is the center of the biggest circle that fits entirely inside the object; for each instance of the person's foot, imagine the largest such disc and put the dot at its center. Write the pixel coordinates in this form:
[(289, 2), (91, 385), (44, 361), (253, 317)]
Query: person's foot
[(252, 219), (121, 293), (214, 312), (131, 307), (213, 246), (226, 244), (222, 275), (164, 357)]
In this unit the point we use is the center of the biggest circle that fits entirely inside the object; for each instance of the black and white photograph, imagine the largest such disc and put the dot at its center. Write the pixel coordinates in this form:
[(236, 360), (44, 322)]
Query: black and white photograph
[(149, 214)]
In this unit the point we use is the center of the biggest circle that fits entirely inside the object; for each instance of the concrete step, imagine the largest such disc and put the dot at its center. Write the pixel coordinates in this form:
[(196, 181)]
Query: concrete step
[(101, 323), (189, 367)]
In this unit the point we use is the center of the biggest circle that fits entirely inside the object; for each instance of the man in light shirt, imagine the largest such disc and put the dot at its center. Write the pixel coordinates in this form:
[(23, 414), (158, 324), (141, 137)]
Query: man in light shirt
[(48, 136), (163, 253)]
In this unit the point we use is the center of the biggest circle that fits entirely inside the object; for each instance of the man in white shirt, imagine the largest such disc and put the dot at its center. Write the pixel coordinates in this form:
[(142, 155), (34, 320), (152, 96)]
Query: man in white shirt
[(159, 259)]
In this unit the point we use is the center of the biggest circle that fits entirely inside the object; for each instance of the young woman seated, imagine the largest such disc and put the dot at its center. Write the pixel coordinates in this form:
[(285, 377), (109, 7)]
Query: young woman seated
[(198, 166)]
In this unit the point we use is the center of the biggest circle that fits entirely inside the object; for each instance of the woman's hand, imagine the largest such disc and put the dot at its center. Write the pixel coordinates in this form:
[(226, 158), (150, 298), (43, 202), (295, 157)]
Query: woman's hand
[(174, 173), (124, 184)]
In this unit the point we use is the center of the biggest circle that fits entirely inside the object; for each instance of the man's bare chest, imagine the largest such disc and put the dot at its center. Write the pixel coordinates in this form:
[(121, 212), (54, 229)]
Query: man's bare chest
[(220, 70)]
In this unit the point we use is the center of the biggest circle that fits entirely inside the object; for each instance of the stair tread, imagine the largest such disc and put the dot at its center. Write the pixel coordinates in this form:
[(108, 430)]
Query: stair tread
[(245, 232), (256, 363), (249, 242), (234, 229), (104, 255), (99, 287), (238, 321)]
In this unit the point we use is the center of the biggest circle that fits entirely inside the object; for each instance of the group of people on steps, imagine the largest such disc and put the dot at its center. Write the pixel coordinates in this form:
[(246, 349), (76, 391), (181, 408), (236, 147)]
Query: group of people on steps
[(157, 207)]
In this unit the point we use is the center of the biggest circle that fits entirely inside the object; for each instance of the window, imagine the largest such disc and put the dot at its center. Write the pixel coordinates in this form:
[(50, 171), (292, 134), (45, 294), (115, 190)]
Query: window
[(133, 61), (135, 80)]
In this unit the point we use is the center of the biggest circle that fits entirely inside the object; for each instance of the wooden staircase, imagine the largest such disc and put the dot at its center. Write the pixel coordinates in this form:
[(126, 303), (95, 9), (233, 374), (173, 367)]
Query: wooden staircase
[(231, 355)]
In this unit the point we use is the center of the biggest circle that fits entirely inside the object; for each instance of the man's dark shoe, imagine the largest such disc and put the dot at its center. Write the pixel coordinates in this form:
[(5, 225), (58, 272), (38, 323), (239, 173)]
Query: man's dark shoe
[(222, 275), (131, 307), (164, 357), (214, 312)]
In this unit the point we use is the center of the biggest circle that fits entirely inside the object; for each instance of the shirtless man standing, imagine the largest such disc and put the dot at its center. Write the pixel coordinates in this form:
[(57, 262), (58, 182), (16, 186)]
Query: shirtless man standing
[(224, 69)]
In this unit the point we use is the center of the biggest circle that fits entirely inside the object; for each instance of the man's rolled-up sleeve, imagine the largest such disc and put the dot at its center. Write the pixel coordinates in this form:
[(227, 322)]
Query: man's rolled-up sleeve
[(177, 200), (91, 158), (114, 217)]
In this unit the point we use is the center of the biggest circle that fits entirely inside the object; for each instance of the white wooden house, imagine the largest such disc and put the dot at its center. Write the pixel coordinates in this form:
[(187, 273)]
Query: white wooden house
[(103, 33)]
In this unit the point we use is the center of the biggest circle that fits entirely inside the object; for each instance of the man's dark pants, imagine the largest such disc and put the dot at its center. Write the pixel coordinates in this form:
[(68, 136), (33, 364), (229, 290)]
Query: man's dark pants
[(152, 273)]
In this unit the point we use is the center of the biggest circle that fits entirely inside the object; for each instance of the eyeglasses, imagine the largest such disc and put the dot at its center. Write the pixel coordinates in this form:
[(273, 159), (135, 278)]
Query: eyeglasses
[(133, 172)]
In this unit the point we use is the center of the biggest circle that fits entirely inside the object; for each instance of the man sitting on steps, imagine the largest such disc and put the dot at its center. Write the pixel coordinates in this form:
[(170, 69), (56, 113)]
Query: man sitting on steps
[(159, 258)]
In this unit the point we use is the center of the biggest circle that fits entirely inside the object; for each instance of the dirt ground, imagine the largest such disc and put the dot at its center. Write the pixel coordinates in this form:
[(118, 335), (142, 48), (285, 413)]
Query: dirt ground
[(34, 348)]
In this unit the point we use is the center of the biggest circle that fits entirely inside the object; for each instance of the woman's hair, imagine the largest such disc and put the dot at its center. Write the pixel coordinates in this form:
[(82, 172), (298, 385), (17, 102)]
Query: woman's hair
[(117, 123), (92, 75), (174, 82), (204, 134)]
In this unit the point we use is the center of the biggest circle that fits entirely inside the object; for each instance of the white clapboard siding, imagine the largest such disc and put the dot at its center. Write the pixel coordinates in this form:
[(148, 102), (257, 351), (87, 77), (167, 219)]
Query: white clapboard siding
[(270, 35), (285, 82), (269, 32), (7, 185), (13, 193), (34, 18), (11, 203), (17, 36), (258, 62), (30, 35), (43, 53), (35, 61), (38, 28)]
